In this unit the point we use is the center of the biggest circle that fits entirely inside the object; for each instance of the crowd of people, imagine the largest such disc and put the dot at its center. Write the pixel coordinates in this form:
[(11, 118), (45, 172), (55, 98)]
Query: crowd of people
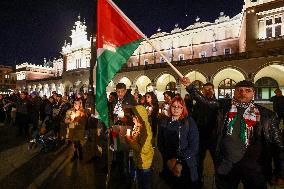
[(168, 140), (67, 117), (243, 138)]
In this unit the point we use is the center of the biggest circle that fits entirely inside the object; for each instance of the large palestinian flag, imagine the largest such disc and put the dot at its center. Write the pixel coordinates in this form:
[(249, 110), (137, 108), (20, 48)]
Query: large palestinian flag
[(117, 38)]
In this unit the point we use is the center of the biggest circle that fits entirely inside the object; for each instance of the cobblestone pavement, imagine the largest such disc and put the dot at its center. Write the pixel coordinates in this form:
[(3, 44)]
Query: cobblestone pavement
[(23, 168)]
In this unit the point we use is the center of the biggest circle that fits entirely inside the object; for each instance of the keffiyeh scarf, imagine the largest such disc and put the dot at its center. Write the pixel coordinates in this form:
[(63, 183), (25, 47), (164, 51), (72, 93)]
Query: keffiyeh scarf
[(247, 121)]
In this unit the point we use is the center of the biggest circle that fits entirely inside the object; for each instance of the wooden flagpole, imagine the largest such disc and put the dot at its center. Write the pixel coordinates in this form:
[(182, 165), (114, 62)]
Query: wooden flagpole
[(164, 57)]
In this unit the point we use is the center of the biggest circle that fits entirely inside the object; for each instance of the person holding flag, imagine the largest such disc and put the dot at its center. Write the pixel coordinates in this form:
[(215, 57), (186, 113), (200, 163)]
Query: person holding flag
[(117, 38)]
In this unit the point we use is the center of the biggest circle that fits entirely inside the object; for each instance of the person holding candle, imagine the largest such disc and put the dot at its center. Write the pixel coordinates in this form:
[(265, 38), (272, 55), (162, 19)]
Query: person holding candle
[(76, 119), (141, 142), (121, 105)]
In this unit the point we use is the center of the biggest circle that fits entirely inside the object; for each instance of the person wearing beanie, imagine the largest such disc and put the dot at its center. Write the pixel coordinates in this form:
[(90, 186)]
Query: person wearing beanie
[(248, 139)]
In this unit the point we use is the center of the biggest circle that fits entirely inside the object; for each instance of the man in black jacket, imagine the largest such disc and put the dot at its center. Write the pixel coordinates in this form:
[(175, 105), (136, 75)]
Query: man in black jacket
[(205, 118), (248, 139), (122, 105), (122, 116), (278, 104)]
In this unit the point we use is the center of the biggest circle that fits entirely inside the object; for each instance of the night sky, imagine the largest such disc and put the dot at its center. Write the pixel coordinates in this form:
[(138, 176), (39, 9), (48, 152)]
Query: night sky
[(34, 29)]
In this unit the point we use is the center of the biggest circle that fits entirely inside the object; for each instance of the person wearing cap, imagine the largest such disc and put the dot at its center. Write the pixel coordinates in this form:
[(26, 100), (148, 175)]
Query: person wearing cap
[(248, 138)]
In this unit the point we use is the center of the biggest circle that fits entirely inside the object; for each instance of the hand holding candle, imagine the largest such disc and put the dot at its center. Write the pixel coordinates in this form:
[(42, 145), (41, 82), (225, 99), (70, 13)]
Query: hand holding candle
[(120, 114), (72, 116), (128, 132)]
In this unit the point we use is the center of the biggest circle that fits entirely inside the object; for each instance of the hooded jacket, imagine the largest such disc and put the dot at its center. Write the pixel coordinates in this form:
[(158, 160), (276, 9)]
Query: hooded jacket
[(141, 144)]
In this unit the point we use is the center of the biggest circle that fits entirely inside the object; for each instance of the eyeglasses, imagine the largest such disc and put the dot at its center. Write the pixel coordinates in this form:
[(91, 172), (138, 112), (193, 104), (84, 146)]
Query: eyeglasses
[(148, 96), (176, 107)]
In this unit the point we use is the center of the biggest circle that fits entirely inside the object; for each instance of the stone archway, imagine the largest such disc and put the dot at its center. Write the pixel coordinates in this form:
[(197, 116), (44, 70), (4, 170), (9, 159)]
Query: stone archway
[(274, 71), (141, 83), (226, 74), (264, 88), (126, 81), (195, 77), (161, 84), (226, 88)]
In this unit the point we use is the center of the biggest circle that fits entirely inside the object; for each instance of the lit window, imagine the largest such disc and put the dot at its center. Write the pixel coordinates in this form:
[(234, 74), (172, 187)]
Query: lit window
[(273, 26)]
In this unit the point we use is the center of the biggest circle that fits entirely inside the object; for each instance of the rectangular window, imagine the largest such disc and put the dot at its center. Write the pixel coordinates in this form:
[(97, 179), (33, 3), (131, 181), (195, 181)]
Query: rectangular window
[(277, 30), (146, 62), (227, 51), (269, 22), (202, 54), (162, 60), (268, 32), (278, 20), (181, 57)]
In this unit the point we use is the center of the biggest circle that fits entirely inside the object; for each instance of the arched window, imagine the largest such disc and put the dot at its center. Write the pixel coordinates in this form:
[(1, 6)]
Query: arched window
[(171, 86), (264, 88), (226, 88)]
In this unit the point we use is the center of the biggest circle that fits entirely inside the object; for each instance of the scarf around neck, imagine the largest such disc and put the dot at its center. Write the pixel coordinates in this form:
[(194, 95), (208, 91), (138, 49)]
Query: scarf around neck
[(247, 120)]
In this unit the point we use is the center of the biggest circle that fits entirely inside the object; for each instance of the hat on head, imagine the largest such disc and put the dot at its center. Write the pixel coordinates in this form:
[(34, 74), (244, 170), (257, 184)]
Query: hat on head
[(245, 83)]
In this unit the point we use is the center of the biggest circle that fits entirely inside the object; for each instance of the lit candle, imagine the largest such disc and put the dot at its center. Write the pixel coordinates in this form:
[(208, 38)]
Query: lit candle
[(128, 132), (72, 116), (120, 114)]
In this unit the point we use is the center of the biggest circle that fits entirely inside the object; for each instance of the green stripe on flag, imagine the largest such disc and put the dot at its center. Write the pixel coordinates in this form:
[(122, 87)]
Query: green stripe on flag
[(108, 64)]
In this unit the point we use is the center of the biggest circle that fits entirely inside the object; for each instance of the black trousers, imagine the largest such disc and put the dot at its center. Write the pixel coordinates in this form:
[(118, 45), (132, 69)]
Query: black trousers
[(182, 182), (252, 178), (22, 121), (204, 145), (280, 116)]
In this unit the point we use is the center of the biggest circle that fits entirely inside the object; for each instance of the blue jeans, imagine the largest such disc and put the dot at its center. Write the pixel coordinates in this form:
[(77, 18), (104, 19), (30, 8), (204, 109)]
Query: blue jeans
[(144, 178)]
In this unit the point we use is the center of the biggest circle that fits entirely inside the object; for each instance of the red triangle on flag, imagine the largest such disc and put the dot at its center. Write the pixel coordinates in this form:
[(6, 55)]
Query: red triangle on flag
[(113, 27)]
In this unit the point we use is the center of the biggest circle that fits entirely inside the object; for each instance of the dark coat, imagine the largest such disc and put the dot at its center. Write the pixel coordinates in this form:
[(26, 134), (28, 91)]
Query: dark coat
[(205, 118), (278, 104), (128, 102), (266, 142), (168, 142)]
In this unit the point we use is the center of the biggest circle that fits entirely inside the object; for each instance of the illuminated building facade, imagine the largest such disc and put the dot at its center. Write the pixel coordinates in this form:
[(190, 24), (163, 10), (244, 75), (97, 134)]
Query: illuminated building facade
[(250, 45), (7, 79)]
